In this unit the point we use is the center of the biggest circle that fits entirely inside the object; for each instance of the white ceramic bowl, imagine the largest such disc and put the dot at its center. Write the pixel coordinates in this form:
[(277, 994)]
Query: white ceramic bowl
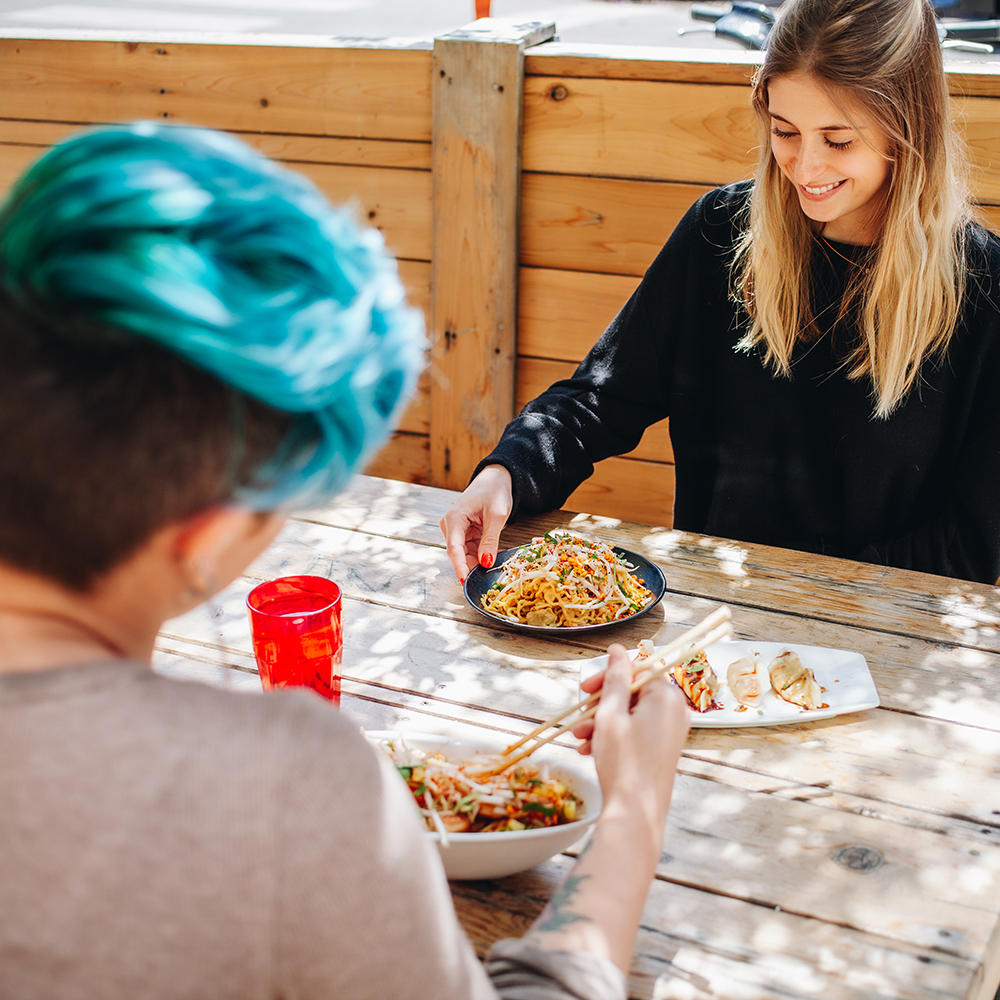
[(493, 855)]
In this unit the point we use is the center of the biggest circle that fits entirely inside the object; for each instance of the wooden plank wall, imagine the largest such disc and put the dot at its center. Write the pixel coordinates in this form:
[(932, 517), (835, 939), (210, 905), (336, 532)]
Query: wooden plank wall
[(617, 145), (355, 120)]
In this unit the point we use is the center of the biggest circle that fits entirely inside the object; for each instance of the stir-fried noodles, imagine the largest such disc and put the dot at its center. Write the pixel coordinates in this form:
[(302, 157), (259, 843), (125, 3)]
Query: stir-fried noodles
[(563, 580), (453, 800)]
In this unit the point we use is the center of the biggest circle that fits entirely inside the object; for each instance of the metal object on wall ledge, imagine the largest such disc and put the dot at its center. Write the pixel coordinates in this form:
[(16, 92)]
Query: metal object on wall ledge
[(745, 23)]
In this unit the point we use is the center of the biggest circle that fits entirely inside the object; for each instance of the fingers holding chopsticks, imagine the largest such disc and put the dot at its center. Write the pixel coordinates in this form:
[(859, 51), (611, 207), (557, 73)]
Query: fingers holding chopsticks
[(636, 745), (584, 729), (619, 666), (715, 627)]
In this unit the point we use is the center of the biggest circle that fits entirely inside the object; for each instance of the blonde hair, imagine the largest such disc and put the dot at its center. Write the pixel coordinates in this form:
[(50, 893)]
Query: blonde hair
[(881, 57)]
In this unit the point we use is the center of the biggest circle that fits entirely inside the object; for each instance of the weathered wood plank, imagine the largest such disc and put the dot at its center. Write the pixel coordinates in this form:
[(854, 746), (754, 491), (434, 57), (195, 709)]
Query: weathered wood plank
[(677, 915), (416, 417), (353, 92), (478, 111), (916, 674), (687, 937), (686, 132), (894, 606), (637, 128), (416, 634), (978, 124), (926, 889), (708, 66), (291, 148), (562, 313), (759, 815), (980, 79), (598, 223), (406, 456), (641, 62), (416, 278), (775, 852), (14, 160), (535, 375), (629, 489), (396, 202), (355, 152)]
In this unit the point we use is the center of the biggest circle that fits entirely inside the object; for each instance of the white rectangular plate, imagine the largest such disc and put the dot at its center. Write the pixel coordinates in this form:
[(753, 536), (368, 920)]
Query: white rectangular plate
[(849, 685)]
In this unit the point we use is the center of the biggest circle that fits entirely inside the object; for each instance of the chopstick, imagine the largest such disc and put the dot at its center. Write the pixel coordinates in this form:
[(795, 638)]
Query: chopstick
[(715, 627), (694, 633)]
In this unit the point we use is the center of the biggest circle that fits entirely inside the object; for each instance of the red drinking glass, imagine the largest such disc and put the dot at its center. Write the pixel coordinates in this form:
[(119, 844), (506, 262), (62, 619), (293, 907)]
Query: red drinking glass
[(297, 635)]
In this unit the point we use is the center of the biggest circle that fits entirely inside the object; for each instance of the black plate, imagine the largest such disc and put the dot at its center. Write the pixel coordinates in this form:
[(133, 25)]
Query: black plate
[(480, 580)]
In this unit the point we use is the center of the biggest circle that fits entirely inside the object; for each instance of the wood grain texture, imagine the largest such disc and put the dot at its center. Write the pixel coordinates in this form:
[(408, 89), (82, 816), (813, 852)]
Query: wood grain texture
[(406, 456), (750, 900), (562, 313), (895, 605), (597, 223), (478, 111), (416, 419), (695, 946), (974, 79), (352, 92), (628, 489), (535, 375), (290, 148), (330, 149), (416, 278), (395, 202), (639, 128), (14, 160), (978, 122), (641, 62), (708, 66)]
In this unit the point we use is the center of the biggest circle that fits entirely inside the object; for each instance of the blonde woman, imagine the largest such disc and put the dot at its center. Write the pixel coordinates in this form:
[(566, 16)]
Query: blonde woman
[(824, 339)]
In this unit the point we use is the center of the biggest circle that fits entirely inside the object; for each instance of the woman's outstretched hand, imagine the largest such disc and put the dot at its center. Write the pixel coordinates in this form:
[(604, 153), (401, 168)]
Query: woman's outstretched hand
[(472, 526)]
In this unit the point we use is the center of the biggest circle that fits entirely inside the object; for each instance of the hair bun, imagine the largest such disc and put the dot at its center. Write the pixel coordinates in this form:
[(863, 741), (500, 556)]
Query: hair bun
[(190, 238)]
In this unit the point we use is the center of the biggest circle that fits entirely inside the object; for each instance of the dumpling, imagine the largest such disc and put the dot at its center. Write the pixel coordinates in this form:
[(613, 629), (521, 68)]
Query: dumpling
[(744, 681), (696, 678), (794, 682)]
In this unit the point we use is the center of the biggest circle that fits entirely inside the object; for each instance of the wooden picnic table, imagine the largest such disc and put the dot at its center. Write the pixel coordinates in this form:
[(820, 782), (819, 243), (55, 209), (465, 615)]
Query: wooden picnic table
[(857, 857)]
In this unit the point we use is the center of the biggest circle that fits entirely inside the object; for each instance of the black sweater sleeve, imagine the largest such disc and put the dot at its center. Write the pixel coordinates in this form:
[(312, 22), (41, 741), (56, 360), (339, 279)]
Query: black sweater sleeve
[(619, 389)]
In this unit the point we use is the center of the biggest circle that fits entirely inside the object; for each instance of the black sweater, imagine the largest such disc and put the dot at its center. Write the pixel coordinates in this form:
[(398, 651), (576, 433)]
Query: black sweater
[(797, 462)]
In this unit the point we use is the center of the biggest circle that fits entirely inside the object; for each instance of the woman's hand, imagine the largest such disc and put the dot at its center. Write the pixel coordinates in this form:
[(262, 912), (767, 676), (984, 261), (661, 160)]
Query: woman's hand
[(472, 526), (636, 739)]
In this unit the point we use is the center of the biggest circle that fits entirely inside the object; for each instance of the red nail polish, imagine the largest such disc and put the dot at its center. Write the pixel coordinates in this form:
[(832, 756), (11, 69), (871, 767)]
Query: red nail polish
[(486, 560), (461, 581)]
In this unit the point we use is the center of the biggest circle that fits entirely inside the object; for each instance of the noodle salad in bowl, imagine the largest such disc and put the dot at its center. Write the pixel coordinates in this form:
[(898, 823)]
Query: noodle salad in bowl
[(488, 828), (564, 580)]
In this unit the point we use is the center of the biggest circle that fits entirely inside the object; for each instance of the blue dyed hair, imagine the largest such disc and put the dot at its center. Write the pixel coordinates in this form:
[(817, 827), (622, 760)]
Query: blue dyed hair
[(191, 239)]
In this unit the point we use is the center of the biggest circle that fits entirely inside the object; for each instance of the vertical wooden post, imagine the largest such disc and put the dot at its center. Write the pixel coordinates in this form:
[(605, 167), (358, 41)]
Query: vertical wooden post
[(478, 98)]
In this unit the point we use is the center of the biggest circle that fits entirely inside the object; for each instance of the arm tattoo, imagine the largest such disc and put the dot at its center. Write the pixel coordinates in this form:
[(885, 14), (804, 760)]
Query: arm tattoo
[(555, 917)]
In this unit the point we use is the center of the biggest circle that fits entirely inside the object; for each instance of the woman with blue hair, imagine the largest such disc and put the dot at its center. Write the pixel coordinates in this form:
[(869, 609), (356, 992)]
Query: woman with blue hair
[(194, 343)]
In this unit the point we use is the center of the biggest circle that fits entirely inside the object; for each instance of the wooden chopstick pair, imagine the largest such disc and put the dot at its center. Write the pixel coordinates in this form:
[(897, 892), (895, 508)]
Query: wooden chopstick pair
[(714, 628)]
